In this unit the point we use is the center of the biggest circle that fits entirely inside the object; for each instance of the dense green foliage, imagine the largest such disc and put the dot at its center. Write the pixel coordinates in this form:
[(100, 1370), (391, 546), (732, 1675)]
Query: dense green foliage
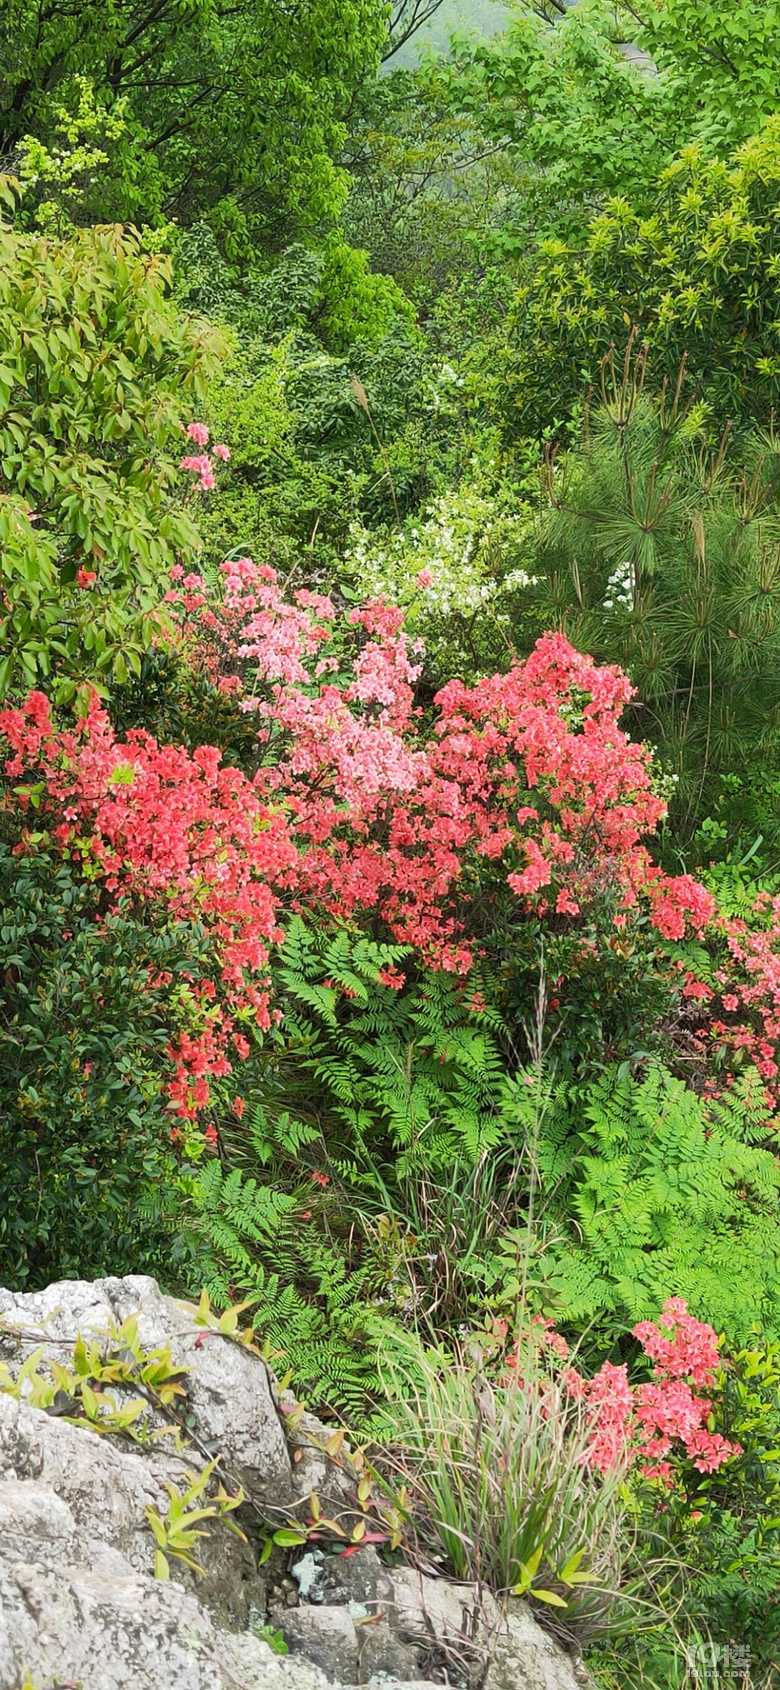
[(378, 1115), (577, 119), (492, 336), (97, 376), (85, 1156), (694, 267), (233, 111), (655, 1187), (723, 64)]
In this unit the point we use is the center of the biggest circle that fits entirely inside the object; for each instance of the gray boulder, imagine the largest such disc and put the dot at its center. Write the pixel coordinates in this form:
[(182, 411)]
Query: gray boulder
[(468, 1627), (79, 1601), (229, 1390)]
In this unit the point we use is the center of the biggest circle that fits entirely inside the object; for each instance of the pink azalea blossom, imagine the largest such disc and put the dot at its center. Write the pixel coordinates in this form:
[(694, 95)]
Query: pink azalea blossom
[(644, 1423)]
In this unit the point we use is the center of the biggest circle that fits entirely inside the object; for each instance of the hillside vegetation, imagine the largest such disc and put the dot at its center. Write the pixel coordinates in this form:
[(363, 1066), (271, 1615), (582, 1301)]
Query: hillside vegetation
[(390, 749)]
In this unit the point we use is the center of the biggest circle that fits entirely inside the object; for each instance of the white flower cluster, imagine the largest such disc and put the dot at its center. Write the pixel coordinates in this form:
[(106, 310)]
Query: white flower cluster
[(517, 580), (442, 393), (453, 561), (620, 589)]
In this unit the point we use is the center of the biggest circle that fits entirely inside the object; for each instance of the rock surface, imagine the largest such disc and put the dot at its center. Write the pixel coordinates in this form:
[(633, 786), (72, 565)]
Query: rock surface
[(79, 1602), (230, 1395)]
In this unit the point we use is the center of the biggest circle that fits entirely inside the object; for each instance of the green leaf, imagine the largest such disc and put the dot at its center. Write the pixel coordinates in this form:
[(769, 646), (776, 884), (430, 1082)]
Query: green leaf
[(157, 1525)]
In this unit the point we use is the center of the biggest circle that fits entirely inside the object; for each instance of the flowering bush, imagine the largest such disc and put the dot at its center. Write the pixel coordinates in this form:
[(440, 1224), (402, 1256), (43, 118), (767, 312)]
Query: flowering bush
[(524, 785), (733, 992), (201, 465), (665, 1416), (457, 559), (460, 571), (529, 769), (725, 1524), (634, 1425), (177, 834)]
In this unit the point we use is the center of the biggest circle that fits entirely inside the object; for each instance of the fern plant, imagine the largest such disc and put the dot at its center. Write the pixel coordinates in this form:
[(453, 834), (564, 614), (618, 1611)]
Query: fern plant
[(315, 1313), (374, 1169), (656, 1191), (409, 1072)]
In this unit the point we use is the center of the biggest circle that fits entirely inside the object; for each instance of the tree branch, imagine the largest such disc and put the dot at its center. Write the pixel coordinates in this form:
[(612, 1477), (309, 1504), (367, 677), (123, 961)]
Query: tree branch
[(406, 18)]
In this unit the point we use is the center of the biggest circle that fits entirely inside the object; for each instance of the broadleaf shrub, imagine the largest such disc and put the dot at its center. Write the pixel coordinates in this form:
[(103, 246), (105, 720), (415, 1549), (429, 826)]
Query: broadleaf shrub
[(694, 271), (87, 1171), (98, 375)]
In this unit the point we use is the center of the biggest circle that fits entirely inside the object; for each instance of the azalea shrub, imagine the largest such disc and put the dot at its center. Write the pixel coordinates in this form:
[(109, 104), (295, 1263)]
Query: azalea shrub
[(732, 993), (651, 1425), (707, 1528), (666, 1416), (725, 1523), (334, 695), (520, 793)]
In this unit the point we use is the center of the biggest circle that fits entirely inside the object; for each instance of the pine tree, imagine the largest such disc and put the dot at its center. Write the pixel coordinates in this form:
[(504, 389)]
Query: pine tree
[(662, 553)]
